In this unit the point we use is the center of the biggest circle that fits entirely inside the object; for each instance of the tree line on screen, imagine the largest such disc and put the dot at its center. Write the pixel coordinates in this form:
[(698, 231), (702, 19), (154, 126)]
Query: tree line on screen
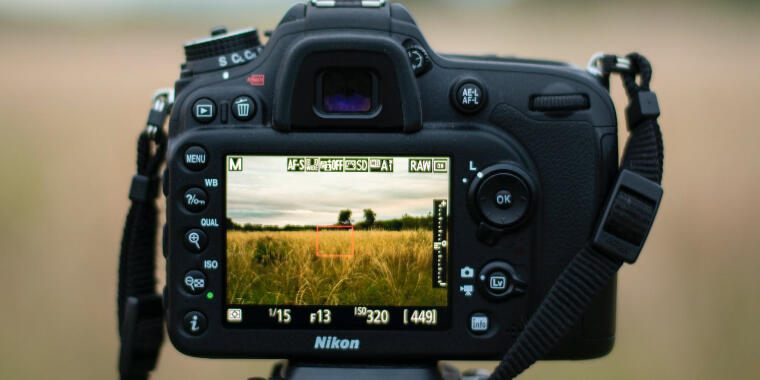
[(406, 222)]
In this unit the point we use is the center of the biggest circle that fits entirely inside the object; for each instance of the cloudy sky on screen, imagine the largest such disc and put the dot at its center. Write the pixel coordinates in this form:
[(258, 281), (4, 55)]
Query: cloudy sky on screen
[(266, 193)]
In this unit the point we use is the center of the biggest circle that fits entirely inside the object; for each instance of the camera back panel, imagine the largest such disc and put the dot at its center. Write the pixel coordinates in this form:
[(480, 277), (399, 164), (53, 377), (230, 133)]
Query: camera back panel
[(520, 155)]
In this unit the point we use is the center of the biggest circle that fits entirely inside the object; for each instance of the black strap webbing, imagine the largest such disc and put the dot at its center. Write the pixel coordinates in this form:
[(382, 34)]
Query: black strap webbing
[(621, 232), (139, 306)]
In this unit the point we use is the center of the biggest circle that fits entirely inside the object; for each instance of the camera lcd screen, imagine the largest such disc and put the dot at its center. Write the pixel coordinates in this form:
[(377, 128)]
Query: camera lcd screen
[(347, 90), (337, 242)]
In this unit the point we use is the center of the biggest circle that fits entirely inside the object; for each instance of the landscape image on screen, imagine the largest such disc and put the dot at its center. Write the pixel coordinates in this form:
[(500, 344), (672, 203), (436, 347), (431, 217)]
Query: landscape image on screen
[(337, 230)]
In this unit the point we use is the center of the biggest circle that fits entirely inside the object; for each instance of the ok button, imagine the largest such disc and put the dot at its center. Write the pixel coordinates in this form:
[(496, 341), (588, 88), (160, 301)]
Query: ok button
[(503, 199)]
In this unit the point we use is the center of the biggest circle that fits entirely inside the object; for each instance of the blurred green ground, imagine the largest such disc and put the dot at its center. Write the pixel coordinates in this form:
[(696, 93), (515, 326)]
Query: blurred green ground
[(75, 95)]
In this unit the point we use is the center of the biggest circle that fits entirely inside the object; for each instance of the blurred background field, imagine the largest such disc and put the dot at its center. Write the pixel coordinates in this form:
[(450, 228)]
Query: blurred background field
[(76, 78)]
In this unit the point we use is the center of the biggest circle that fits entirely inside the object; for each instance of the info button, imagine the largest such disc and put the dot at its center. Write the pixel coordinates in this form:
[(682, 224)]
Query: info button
[(479, 323)]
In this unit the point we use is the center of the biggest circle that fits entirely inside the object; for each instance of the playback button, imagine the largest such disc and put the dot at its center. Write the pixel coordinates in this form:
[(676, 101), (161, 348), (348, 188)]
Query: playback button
[(204, 110)]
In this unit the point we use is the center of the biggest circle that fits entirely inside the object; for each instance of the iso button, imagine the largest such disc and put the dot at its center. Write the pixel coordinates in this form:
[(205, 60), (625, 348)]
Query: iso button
[(194, 282), (243, 108), (204, 110), (195, 199)]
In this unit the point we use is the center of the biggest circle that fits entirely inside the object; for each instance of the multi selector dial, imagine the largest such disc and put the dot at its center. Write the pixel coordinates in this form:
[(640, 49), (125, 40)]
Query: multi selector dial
[(502, 195)]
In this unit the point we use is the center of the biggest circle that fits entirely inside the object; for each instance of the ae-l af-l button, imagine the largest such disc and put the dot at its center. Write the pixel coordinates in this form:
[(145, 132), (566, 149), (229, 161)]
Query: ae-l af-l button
[(468, 96)]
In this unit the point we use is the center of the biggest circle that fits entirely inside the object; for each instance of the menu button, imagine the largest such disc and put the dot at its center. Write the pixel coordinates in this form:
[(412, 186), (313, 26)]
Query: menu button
[(196, 158)]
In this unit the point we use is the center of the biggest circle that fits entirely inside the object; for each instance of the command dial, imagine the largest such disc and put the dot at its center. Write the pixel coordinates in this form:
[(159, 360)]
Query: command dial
[(222, 49)]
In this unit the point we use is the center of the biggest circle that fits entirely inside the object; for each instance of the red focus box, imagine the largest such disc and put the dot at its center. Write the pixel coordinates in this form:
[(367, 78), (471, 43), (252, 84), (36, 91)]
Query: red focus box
[(350, 254)]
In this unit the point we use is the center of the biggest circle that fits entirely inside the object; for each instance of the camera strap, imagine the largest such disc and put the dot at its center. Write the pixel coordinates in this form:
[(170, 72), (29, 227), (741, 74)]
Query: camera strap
[(140, 310), (622, 228)]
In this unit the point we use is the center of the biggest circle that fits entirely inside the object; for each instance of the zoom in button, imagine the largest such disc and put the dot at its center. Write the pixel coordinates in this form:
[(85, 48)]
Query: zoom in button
[(196, 240)]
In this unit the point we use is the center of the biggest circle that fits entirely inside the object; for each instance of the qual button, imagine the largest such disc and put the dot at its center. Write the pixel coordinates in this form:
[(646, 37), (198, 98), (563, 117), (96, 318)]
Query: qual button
[(196, 240)]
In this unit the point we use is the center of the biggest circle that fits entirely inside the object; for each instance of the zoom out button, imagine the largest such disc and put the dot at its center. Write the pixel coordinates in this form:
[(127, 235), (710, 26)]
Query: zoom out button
[(194, 282)]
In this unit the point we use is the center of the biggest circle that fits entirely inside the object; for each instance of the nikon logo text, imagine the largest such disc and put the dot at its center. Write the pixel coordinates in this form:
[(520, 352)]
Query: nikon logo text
[(335, 343)]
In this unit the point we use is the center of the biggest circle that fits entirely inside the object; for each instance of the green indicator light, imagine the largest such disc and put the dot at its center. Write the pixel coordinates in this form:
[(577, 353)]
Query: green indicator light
[(210, 295)]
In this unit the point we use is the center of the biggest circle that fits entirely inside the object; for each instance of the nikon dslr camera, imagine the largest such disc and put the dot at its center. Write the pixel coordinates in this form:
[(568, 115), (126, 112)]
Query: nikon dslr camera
[(345, 193)]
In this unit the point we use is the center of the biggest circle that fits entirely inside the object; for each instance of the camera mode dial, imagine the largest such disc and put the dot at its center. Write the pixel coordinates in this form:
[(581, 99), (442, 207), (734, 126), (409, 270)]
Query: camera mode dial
[(222, 49)]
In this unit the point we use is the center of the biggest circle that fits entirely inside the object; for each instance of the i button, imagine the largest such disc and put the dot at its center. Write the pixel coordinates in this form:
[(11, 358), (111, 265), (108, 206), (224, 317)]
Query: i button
[(194, 322)]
